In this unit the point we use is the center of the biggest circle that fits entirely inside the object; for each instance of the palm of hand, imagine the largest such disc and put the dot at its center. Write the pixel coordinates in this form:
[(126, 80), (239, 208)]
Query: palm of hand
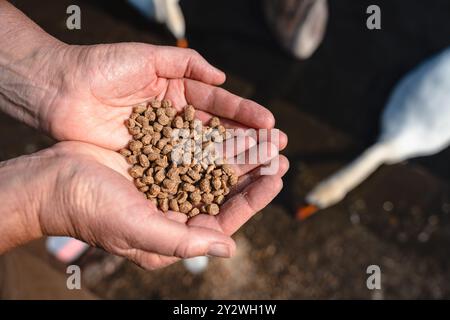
[(92, 108), (98, 93), (102, 207)]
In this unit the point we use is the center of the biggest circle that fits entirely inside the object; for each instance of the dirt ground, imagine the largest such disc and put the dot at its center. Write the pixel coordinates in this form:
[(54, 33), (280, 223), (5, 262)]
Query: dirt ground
[(329, 106)]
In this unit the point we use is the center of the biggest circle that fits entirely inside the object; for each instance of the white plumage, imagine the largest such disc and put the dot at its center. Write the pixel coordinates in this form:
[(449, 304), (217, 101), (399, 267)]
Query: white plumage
[(416, 122), (196, 265)]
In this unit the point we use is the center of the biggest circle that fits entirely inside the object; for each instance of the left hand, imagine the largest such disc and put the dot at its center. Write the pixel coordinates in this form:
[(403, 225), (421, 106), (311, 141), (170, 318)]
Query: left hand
[(100, 84)]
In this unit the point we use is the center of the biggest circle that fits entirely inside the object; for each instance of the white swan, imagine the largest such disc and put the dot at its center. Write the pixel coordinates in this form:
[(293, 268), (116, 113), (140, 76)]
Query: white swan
[(416, 122)]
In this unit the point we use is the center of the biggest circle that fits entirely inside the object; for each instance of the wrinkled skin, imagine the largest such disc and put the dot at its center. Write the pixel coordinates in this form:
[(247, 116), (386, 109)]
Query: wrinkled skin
[(80, 187), (84, 191), (101, 83)]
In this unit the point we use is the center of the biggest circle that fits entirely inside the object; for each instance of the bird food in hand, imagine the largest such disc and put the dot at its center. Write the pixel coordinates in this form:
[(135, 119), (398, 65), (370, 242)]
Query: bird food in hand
[(174, 159)]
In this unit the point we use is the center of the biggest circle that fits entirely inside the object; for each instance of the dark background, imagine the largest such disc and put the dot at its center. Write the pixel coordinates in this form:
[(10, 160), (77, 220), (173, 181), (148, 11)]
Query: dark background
[(329, 106)]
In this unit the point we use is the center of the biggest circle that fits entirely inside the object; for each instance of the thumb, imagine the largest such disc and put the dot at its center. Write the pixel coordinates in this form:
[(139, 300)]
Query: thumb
[(173, 62), (158, 234)]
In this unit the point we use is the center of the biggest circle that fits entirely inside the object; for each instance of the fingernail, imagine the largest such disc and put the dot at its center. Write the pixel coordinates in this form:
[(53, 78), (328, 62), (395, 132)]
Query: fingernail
[(219, 250)]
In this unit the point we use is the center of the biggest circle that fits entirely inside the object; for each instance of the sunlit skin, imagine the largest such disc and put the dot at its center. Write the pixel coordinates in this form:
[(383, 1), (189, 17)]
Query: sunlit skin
[(84, 191), (80, 187), (89, 105)]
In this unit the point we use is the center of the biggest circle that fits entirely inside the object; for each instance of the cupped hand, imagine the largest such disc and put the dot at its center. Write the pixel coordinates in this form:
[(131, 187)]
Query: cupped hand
[(88, 195), (99, 84)]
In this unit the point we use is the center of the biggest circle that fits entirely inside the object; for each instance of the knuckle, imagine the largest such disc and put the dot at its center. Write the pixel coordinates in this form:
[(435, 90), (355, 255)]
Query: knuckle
[(184, 248), (144, 260)]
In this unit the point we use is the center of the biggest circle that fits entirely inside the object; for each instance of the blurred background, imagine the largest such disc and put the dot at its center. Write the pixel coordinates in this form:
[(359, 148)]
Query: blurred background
[(329, 105)]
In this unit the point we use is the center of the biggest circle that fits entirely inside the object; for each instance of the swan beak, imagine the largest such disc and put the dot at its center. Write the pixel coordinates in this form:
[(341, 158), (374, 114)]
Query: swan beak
[(305, 212), (182, 43)]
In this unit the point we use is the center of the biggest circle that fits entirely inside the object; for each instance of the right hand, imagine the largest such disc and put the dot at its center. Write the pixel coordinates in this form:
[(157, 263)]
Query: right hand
[(83, 191)]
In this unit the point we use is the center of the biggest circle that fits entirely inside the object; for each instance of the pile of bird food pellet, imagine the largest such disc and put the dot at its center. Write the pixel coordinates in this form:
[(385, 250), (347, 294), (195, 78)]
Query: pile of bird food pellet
[(174, 159)]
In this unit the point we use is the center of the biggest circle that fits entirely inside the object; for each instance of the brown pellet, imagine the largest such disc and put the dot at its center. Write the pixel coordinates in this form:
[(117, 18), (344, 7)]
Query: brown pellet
[(177, 122), (167, 149), (189, 113), (161, 143), (155, 104), (212, 209), (185, 207), (233, 180), (130, 123), (163, 119), (147, 130), (193, 212), (214, 122), (173, 205), (163, 204), (166, 103), (138, 182), (148, 180), (155, 138), (219, 199), (205, 185), (169, 184), (195, 197), (171, 112), (150, 115), (125, 152), (138, 136), (159, 137), (154, 190), (132, 159), (136, 171), (227, 169), (139, 108), (194, 174), (146, 139), (157, 127), (134, 131), (188, 187), (153, 156), (181, 197), (207, 198), (159, 176), (143, 161), (216, 183), (142, 120), (167, 132), (135, 145)]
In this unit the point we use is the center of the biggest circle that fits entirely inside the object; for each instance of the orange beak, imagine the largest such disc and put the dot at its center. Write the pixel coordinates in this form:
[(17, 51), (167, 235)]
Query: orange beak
[(182, 43), (305, 212)]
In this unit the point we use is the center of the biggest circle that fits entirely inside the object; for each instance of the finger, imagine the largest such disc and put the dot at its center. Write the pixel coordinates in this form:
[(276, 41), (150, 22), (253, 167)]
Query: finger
[(230, 124), (253, 158), (205, 221), (157, 234), (252, 198), (246, 179), (212, 222), (205, 117), (173, 93), (224, 104), (176, 216), (150, 261), (173, 63), (230, 148)]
